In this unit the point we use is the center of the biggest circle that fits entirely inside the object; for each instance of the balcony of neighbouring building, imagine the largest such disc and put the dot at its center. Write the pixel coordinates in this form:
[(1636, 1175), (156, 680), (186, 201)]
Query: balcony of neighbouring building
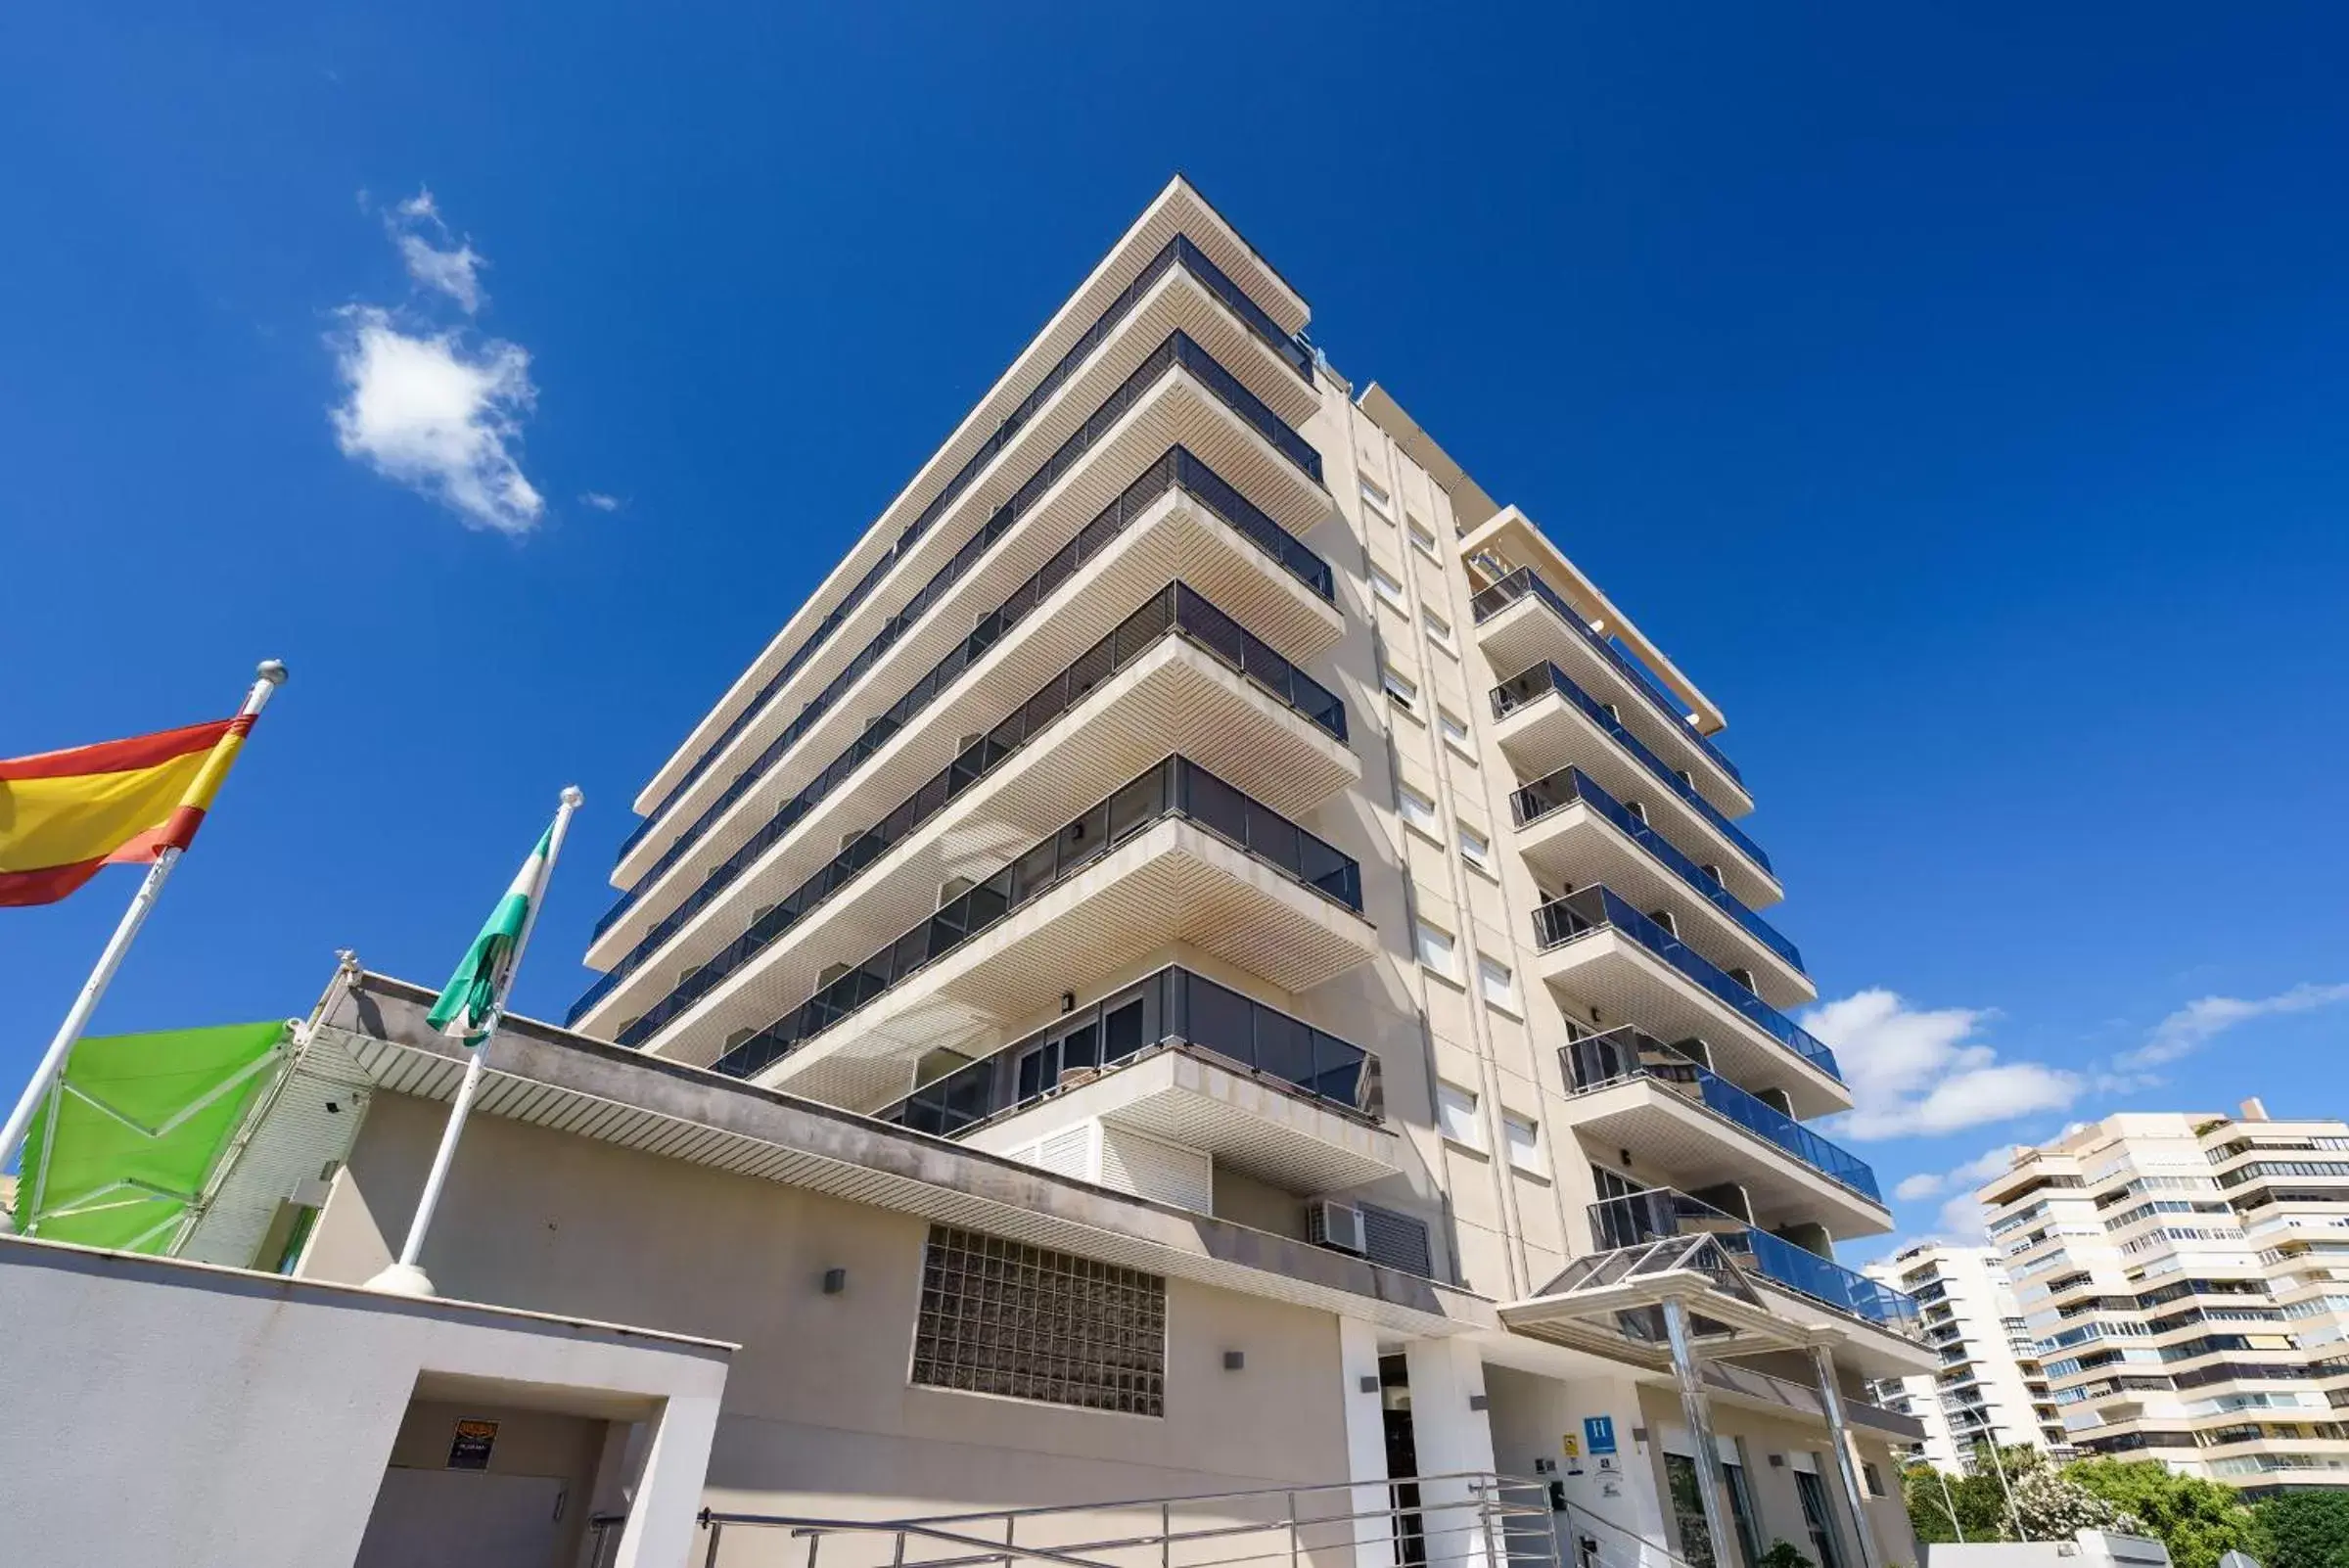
[(1178, 857), (1521, 621), (1548, 722), (1176, 394), (1599, 950), (1573, 833), (1692, 1127), (1192, 1064)]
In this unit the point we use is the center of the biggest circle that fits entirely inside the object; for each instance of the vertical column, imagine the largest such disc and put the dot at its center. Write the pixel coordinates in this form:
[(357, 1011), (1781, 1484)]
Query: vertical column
[(1365, 1444), (660, 1516), (1452, 1437), (1846, 1465), (1697, 1410)]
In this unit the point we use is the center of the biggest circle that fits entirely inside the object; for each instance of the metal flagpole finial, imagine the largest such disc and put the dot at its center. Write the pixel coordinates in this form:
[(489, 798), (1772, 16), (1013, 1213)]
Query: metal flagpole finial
[(571, 797), (273, 671)]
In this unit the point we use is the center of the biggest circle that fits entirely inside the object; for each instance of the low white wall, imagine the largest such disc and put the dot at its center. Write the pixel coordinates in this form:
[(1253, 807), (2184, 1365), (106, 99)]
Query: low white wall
[(168, 1413)]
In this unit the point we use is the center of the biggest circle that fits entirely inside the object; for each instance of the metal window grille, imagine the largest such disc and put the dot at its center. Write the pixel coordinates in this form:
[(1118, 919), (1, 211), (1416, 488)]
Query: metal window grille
[(1001, 1317)]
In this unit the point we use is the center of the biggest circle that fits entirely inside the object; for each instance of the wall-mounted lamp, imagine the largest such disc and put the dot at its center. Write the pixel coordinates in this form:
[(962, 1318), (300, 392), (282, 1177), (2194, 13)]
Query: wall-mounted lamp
[(1233, 1361), (1479, 1401), (836, 1280), (1067, 1001), (1369, 1383)]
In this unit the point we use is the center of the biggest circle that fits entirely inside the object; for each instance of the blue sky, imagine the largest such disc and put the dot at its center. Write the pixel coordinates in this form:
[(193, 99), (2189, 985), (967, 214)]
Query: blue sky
[(1958, 398)]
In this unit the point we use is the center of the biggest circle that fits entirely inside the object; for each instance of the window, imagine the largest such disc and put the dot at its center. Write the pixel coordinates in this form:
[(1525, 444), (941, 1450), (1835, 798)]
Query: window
[(1455, 1115), (1439, 631), (1741, 1500), (1818, 1516), (1402, 688), (1498, 985), (1475, 847), (1376, 498), (1681, 1486), (999, 1317), (1388, 587), (1423, 539), (1417, 810), (1455, 731), (1436, 950), (1525, 1142)]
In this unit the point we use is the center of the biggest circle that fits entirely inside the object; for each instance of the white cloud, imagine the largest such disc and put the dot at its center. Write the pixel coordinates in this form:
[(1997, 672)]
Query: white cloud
[(2192, 1025), (425, 410), (1922, 1070), (600, 501), (1967, 1176), (415, 225)]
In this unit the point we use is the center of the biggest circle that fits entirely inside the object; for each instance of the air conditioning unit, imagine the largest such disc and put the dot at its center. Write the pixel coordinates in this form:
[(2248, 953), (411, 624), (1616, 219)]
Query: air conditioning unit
[(1335, 1225)]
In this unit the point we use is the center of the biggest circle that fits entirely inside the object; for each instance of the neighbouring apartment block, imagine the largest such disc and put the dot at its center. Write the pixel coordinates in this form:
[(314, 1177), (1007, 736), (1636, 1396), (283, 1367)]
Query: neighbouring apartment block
[(1991, 1387)]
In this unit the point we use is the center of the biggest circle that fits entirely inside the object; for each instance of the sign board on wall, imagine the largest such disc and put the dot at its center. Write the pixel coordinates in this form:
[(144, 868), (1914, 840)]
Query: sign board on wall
[(469, 1447), (1598, 1433)]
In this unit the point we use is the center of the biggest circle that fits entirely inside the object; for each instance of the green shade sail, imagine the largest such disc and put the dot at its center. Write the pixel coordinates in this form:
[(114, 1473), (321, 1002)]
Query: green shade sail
[(140, 1121)]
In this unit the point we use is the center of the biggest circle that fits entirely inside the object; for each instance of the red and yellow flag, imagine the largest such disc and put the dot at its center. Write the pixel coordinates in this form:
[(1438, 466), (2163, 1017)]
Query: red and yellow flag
[(64, 814)]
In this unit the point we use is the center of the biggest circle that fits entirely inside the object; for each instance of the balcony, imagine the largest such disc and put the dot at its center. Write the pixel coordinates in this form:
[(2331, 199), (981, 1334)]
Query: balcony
[(1548, 722), (1659, 1213), (1604, 951), (1573, 833), (1177, 856), (1634, 1092), (1253, 443), (1179, 1058), (1521, 621)]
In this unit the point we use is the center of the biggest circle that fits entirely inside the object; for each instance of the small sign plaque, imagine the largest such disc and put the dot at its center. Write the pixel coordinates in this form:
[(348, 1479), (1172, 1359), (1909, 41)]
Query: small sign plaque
[(469, 1449)]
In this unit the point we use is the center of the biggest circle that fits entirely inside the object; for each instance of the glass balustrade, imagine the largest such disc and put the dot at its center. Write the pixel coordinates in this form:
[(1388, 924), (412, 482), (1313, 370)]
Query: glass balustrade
[(1620, 1055), (1524, 582), (1570, 784), (1660, 1212), (1173, 1008), (1599, 909), (1541, 680), (1173, 789)]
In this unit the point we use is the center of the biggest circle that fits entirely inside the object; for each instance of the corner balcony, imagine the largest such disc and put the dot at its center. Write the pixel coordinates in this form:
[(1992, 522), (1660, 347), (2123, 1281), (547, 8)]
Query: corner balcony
[(1173, 390), (852, 869), (1191, 1062), (1573, 833), (1630, 1090), (1175, 857), (1521, 621), (1548, 722), (1601, 951)]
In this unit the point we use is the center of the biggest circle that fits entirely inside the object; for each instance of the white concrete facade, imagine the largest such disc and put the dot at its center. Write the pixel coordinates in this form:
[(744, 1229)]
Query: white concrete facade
[(1991, 1387)]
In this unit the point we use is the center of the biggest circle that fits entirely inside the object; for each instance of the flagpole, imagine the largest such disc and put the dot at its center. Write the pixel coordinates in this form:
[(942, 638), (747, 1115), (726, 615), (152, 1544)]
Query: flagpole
[(267, 678), (406, 1276)]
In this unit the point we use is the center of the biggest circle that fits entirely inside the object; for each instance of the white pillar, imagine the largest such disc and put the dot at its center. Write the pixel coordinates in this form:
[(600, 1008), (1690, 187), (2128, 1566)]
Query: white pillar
[(1366, 1443), (659, 1530), (1451, 1435), (1696, 1408), (1846, 1465)]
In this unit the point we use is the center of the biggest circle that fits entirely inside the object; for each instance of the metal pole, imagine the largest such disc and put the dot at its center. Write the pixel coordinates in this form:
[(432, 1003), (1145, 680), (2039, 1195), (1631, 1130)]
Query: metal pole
[(1697, 1410), (2013, 1512), (1846, 1466), (406, 1276), (710, 1561), (267, 680), (1950, 1503)]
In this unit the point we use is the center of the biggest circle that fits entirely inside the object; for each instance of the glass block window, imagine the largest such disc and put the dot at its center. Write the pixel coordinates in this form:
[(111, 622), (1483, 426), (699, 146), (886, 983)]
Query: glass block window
[(1001, 1317)]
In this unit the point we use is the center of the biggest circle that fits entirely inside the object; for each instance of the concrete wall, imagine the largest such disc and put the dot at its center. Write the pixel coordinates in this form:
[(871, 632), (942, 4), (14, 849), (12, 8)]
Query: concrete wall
[(165, 1413)]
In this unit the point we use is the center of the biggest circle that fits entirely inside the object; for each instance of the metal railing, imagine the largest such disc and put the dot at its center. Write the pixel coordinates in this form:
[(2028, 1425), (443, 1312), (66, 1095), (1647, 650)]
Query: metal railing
[(1598, 1061), (1555, 791), (1178, 350), (1178, 251), (1525, 583), (1431, 1521), (1173, 789), (1173, 1009), (1528, 685), (1178, 470), (1659, 1212), (1598, 908)]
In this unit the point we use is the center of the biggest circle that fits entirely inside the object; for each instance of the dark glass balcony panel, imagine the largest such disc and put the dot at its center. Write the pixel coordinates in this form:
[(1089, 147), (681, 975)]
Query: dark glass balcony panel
[(1598, 908), (1570, 784), (1525, 583), (1175, 788), (1532, 684), (1660, 1212), (1173, 1009), (1620, 1055)]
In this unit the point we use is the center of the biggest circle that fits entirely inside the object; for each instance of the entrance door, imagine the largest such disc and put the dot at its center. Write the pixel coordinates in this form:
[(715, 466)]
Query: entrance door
[(1402, 1458), (463, 1519)]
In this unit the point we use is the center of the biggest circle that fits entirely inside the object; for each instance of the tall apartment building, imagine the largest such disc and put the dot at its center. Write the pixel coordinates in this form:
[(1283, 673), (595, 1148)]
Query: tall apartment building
[(1991, 1387), (1193, 784), (2186, 1279)]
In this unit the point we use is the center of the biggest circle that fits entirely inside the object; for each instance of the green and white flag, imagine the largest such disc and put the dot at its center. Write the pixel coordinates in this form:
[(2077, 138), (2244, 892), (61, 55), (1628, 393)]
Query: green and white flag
[(469, 1003)]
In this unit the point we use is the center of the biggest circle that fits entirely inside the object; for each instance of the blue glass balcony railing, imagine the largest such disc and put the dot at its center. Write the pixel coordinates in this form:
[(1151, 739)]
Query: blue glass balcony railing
[(1524, 582), (1597, 1061), (1528, 685), (1174, 611), (1173, 1009), (1598, 908), (1570, 784), (1175, 788), (1178, 251), (1660, 1212)]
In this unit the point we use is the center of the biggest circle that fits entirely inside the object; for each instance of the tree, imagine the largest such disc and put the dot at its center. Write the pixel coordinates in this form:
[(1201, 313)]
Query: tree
[(2305, 1530), (2197, 1520), (2055, 1507), (1942, 1504), (2048, 1503)]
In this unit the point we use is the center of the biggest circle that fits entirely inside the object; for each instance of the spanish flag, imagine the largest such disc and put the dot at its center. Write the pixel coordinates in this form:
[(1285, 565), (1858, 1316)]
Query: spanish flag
[(64, 814)]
